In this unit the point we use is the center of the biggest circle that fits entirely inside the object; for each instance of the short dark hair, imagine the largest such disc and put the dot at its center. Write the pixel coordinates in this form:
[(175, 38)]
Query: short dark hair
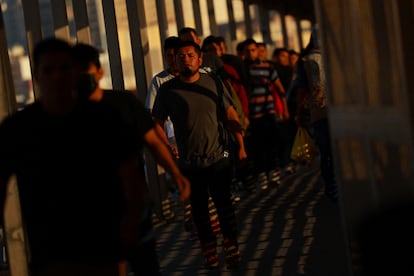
[(84, 54), (50, 45), (183, 44), (208, 40), (277, 51), (240, 46), (220, 39), (293, 52), (171, 42), (249, 41), (187, 30), (261, 44)]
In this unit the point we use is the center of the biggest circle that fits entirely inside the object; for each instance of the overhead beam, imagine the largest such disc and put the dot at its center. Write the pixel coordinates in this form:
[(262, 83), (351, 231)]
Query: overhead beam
[(303, 9)]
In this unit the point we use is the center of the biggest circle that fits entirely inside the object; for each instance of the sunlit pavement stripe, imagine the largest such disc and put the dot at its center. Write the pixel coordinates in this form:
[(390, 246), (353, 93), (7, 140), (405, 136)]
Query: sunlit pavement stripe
[(277, 271), (282, 251), (308, 228), (271, 223)]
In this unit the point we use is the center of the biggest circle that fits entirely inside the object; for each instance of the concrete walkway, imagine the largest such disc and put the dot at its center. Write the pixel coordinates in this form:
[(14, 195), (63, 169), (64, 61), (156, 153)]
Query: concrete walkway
[(286, 230)]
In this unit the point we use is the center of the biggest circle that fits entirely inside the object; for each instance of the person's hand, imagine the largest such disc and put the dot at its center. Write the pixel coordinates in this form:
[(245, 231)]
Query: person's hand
[(184, 187), (246, 121), (174, 152), (286, 116), (242, 154)]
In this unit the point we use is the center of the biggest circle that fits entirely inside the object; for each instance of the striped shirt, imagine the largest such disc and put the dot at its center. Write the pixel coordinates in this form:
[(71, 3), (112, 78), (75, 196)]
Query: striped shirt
[(261, 101)]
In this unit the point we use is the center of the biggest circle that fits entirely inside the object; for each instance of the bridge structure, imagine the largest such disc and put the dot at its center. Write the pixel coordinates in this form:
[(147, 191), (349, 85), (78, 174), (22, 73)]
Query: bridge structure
[(368, 54)]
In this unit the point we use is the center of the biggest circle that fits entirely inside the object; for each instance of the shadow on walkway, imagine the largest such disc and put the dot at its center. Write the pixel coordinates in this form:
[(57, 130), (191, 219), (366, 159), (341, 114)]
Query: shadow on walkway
[(286, 230)]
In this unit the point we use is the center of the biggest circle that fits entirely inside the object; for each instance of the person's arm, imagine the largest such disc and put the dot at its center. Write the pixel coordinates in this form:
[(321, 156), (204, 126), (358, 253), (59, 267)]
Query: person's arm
[(134, 190), (151, 95), (233, 123), (282, 93), (162, 154)]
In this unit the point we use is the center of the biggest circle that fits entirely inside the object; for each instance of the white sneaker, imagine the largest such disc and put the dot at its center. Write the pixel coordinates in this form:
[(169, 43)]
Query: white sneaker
[(235, 197)]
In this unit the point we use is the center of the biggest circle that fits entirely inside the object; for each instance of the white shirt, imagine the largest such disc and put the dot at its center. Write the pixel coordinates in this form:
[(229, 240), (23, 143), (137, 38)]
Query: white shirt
[(153, 88)]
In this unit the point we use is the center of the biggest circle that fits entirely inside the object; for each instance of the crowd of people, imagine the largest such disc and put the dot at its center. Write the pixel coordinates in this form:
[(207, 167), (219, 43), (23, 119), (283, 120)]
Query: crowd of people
[(216, 122)]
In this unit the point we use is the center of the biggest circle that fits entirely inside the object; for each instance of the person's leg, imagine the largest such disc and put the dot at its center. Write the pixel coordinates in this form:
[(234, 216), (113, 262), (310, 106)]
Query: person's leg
[(258, 139), (322, 139), (246, 167), (260, 152), (273, 144), (292, 128), (220, 192), (283, 143), (200, 211)]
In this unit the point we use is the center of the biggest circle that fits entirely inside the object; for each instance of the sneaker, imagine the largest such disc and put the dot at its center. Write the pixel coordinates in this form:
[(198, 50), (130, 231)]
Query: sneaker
[(236, 187), (262, 181), (235, 197), (275, 176)]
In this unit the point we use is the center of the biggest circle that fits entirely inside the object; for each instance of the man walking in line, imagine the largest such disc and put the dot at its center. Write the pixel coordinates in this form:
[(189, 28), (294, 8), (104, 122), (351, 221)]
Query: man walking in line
[(80, 191), (200, 108), (267, 107), (142, 256), (165, 188), (312, 92)]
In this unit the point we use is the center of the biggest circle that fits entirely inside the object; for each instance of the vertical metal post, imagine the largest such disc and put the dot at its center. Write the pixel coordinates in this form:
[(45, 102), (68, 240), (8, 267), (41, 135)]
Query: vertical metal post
[(83, 33), (140, 46), (284, 29), (232, 22), (7, 93), (162, 20), (197, 17), (247, 19), (212, 17), (179, 15), (32, 21), (142, 65), (299, 32), (264, 24), (113, 45), (60, 19)]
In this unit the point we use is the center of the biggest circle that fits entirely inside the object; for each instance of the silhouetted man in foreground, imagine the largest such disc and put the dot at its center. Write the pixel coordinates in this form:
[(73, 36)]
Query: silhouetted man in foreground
[(76, 172)]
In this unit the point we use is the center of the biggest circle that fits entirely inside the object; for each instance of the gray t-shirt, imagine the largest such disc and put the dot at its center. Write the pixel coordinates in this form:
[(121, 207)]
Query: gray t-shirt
[(194, 111)]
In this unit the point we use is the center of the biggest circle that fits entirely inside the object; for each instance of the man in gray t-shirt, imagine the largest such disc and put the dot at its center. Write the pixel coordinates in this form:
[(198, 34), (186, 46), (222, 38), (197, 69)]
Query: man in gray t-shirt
[(198, 104)]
